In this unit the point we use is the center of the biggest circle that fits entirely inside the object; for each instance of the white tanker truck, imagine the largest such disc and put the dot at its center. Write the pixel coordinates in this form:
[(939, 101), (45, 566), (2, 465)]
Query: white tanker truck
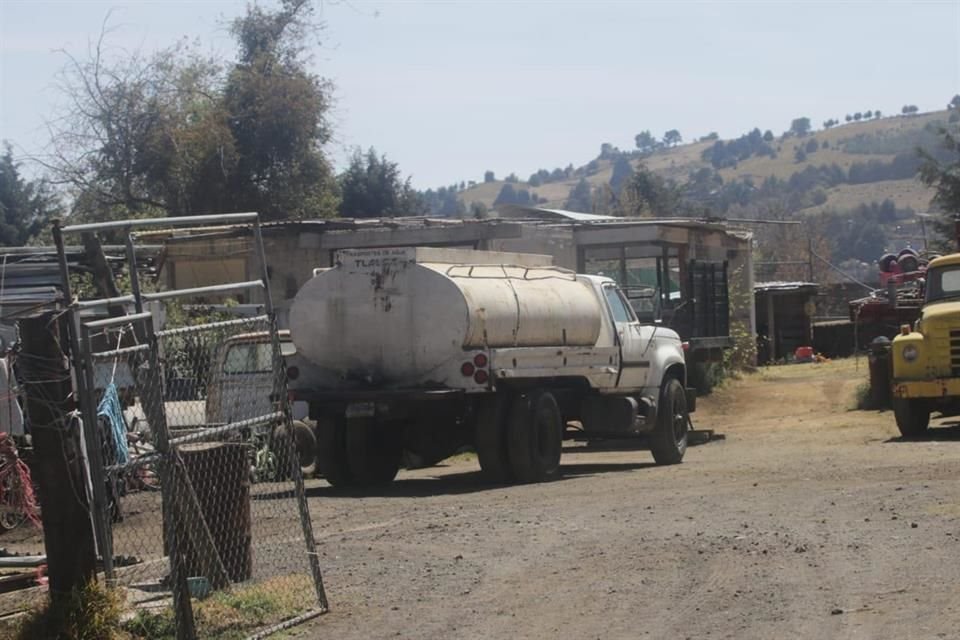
[(414, 353)]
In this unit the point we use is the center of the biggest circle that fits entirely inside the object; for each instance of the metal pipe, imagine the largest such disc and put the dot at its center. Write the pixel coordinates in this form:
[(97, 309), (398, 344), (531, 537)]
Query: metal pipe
[(95, 466), (78, 367), (208, 434), (118, 320), (210, 325), (181, 221), (264, 271), (104, 302), (198, 291), (113, 353), (134, 276)]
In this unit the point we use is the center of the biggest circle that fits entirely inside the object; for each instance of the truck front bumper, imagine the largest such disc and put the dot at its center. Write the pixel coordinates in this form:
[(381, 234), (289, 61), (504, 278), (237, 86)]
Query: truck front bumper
[(933, 388)]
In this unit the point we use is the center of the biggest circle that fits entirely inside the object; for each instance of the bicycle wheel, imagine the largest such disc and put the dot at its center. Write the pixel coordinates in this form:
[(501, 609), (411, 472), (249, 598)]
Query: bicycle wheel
[(12, 501)]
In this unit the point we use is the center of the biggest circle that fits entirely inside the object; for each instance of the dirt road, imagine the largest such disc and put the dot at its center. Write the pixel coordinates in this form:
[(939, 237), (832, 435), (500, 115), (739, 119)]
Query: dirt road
[(808, 521)]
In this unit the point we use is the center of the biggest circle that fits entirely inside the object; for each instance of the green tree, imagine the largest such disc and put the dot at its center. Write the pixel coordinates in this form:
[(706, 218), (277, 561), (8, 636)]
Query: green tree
[(372, 187), (179, 133), (954, 102), (858, 116), (488, 176), (849, 118), (646, 193), (622, 171), (645, 141), (672, 138), (25, 205), (800, 155), (278, 117), (800, 127), (941, 171), (580, 198)]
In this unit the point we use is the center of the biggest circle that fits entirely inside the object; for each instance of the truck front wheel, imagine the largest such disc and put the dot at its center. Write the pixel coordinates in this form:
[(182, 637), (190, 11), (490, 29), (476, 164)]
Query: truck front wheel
[(534, 436), (668, 442), (913, 416)]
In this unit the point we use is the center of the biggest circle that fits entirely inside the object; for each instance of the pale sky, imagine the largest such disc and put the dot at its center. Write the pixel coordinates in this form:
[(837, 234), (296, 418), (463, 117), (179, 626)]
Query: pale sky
[(450, 89)]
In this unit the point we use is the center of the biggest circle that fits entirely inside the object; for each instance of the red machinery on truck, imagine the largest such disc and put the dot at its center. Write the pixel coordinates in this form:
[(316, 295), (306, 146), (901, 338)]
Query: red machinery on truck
[(897, 302)]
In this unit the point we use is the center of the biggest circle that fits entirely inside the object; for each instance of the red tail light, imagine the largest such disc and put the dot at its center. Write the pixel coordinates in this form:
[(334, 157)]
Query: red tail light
[(685, 346), (481, 377), (467, 369), (480, 360)]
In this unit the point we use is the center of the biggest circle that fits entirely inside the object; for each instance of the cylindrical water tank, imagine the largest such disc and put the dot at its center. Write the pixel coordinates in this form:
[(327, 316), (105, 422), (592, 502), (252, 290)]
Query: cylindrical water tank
[(398, 323)]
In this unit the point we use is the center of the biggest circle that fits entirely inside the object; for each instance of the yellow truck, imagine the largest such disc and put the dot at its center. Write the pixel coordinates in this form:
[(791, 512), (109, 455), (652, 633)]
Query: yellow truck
[(926, 359)]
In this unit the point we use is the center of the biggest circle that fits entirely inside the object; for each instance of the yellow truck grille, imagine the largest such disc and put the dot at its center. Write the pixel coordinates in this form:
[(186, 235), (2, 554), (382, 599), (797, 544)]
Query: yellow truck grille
[(955, 352)]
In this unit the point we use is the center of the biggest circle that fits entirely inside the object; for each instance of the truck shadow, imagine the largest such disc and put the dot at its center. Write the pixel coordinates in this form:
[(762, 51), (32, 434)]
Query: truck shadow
[(946, 432), (463, 482)]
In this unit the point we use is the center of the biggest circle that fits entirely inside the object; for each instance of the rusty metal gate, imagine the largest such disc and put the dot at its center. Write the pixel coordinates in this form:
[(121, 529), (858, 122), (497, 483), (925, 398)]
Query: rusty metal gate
[(199, 504)]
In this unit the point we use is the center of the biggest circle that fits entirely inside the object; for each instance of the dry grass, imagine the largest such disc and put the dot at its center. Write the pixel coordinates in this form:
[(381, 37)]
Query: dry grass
[(677, 163), (229, 615), (90, 613)]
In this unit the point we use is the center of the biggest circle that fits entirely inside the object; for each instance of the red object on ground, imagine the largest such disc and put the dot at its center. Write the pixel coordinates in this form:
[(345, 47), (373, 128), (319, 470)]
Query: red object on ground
[(804, 354)]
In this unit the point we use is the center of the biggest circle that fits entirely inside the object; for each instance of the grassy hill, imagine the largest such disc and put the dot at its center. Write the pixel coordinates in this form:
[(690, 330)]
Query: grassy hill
[(845, 145)]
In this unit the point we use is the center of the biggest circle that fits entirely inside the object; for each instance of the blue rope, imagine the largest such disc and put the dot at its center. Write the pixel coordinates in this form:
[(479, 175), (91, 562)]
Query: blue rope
[(111, 409)]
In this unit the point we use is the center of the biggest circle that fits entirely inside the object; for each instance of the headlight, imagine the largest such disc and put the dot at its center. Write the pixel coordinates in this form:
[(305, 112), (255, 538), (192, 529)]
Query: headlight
[(910, 353)]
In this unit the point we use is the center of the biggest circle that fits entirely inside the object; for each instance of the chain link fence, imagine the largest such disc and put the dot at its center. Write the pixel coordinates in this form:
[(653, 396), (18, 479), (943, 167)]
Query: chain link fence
[(203, 467)]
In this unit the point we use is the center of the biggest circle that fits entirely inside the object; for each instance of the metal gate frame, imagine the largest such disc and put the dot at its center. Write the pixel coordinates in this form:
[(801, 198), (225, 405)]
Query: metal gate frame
[(171, 467)]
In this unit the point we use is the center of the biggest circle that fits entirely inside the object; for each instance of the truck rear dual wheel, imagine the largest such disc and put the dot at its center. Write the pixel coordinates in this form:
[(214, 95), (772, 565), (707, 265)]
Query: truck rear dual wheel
[(332, 452), (359, 452), (373, 451), (534, 436), (490, 440), (912, 416), (668, 442)]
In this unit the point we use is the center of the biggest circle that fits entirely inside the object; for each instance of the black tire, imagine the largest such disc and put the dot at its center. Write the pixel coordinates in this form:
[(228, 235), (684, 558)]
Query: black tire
[(886, 262), (490, 440), (373, 451), (912, 416), (305, 441), (668, 442), (908, 263), (534, 437), (332, 452), (304, 449)]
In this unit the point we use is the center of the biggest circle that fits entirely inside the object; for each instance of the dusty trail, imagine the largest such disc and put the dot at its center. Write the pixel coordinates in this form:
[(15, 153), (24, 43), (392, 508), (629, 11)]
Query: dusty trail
[(808, 521)]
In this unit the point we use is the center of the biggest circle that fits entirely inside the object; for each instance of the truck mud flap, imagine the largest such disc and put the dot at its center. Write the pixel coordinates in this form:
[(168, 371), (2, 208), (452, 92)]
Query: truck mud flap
[(691, 399)]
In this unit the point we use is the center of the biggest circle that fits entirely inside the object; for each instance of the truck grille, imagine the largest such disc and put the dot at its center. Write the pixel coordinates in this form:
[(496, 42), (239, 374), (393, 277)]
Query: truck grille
[(955, 352)]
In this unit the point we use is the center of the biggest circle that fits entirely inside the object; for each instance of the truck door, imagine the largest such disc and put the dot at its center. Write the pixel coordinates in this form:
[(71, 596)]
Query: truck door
[(634, 366)]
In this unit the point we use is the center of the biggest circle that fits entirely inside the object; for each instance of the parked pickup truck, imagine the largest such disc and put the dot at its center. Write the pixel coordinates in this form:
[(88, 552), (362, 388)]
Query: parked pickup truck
[(426, 351)]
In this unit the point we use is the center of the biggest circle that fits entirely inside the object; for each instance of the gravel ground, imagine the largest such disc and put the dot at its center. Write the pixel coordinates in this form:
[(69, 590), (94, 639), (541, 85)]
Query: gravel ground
[(808, 521)]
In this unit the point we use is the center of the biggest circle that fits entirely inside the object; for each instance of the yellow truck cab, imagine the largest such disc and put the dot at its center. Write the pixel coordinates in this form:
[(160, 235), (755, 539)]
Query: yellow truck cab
[(926, 360)]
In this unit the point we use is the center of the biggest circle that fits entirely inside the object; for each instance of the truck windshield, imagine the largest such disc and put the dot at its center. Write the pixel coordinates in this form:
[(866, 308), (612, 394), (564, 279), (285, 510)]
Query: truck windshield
[(943, 283)]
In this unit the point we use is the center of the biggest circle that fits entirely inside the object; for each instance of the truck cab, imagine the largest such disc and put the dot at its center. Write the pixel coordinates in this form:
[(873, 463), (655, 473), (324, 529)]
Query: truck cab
[(926, 359)]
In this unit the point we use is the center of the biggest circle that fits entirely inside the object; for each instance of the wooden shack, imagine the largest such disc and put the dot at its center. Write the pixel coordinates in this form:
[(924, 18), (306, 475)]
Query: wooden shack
[(784, 320)]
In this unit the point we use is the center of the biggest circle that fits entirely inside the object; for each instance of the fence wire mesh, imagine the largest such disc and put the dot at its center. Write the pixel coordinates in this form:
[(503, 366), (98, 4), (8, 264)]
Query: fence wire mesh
[(202, 462)]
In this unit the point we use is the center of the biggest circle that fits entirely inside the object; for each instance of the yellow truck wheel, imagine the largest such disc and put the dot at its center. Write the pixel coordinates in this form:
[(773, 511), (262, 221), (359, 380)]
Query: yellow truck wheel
[(913, 416)]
